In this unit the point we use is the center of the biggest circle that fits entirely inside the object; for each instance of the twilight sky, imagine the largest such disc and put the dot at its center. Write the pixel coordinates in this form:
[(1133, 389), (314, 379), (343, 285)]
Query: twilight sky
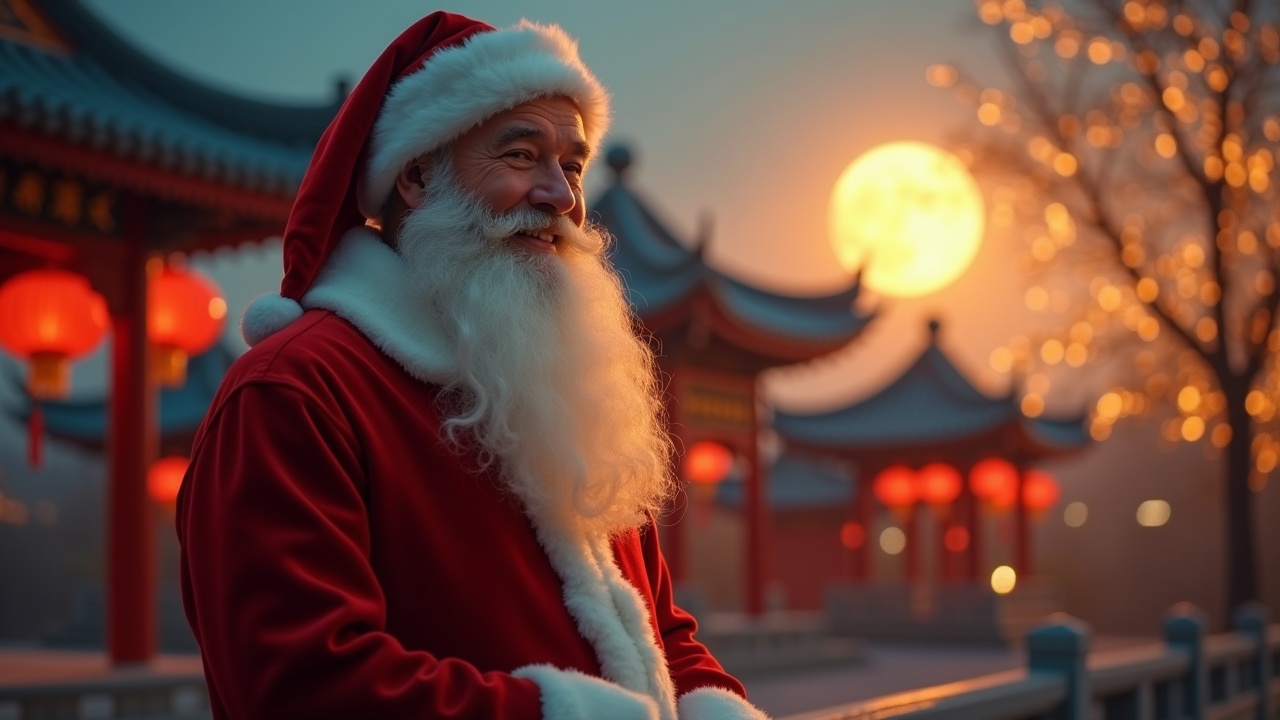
[(743, 111)]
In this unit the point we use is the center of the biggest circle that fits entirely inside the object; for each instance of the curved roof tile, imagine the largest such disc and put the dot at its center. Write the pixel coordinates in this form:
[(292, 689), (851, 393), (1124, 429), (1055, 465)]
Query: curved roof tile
[(74, 96), (930, 402), (660, 271)]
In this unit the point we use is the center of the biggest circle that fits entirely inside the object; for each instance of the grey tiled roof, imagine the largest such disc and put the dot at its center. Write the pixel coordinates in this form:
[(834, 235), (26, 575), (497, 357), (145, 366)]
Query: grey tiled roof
[(930, 402), (796, 482), (660, 272), (73, 98)]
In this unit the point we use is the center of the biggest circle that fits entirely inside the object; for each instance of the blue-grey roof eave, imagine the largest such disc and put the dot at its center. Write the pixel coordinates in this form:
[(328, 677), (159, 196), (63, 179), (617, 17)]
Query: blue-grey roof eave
[(827, 318), (99, 97), (281, 123), (70, 97), (1067, 433), (643, 241), (930, 401), (797, 482)]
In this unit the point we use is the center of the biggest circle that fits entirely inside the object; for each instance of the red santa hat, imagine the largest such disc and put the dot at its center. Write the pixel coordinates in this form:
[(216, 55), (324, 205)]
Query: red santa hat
[(444, 75)]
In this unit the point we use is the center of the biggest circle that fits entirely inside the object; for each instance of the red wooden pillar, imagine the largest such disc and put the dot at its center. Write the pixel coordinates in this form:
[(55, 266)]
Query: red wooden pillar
[(911, 528), (862, 516), (131, 613), (757, 510), (1022, 529), (973, 523), (944, 561)]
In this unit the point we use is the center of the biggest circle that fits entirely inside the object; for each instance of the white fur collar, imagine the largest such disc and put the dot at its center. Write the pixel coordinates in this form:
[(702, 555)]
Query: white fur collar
[(368, 284)]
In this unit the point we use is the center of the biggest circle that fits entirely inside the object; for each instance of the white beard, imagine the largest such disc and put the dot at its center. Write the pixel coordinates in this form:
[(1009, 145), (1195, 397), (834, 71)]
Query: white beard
[(554, 385)]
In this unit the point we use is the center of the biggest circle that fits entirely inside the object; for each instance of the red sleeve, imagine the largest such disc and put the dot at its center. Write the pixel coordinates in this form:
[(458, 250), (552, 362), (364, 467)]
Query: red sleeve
[(692, 666), (277, 583)]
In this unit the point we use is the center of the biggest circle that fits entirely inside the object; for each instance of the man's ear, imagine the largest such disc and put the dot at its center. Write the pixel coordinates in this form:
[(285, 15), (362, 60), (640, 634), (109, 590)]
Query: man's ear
[(411, 183)]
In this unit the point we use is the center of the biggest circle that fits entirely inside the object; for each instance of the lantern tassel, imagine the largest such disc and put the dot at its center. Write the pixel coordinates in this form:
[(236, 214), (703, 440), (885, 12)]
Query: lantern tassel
[(35, 435)]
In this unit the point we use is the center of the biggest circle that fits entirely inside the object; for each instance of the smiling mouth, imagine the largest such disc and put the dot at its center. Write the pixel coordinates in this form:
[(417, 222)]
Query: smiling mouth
[(543, 240)]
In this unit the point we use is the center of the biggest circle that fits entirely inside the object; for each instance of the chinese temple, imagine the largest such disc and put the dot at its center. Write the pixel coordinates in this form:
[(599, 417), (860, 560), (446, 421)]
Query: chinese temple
[(931, 416), (109, 162), (714, 335)]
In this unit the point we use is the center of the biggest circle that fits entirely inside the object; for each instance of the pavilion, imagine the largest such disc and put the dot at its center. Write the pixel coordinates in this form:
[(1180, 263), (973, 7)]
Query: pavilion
[(108, 162), (932, 413), (714, 335)]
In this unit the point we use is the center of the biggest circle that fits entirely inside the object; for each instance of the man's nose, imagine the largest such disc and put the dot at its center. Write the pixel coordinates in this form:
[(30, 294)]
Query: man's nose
[(553, 192)]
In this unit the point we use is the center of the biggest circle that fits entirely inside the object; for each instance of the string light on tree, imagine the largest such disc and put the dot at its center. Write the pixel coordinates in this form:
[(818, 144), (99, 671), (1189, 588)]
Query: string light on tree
[(1143, 125)]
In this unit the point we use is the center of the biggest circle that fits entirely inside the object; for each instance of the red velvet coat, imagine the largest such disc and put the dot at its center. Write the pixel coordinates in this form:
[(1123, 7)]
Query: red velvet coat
[(339, 561)]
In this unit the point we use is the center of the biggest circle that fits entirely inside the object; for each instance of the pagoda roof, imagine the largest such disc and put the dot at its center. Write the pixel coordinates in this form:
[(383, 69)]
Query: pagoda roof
[(666, 278), (931, 402), (75, 80), (181, 409), (797, 482)]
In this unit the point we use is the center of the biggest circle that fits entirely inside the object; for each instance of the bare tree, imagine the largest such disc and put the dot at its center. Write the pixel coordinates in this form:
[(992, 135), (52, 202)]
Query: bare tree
[(1136, 147)]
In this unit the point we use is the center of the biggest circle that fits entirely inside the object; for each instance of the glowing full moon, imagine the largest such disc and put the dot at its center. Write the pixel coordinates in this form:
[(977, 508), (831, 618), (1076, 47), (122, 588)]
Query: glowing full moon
[(909, 215)]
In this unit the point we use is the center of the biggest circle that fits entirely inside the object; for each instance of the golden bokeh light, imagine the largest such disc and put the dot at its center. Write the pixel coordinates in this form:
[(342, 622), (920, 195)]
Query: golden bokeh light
[(940, 75), (1032, 405), (893, 541), (1003, 580), (1192, 428), (1153, 513), (909, 216), (1075, 514)]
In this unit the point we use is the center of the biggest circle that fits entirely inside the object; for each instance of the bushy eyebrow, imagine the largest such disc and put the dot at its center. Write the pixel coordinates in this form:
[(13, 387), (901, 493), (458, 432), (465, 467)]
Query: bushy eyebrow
[(523, 132)]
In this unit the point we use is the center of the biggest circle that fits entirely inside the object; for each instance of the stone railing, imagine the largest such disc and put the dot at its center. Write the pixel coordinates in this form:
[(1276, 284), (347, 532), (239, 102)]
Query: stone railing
[(1189, 676)]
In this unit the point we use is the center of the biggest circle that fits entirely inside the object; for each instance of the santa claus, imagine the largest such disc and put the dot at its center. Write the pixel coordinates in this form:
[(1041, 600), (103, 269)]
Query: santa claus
[(428, 489)]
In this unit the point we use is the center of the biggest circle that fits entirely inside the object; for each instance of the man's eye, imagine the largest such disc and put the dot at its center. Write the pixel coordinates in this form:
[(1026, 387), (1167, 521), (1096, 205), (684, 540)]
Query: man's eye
[(520, 155), (573, 169)]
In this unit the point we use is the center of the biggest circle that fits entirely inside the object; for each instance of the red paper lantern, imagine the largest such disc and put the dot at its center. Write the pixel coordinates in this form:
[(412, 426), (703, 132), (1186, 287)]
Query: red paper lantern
[(852, 535), (165, 477), (938, 484), (1040, 491), (49, 317), (707, 463), (956, 539), (185, 315), (895, 487), (994, 481)]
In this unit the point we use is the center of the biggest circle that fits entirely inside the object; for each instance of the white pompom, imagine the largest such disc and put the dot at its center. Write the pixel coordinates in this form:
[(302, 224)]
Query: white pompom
[(267, 315)]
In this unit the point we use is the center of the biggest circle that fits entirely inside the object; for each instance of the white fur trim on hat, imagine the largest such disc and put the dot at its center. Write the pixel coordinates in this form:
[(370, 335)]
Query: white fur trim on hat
[(713, 703), (267, 315), (571, 695), (460, 87)]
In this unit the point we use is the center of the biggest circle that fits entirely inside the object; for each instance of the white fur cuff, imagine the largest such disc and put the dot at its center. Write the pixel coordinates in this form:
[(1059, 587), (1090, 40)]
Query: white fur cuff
[(267, 315), (713, 703), (571, 695)]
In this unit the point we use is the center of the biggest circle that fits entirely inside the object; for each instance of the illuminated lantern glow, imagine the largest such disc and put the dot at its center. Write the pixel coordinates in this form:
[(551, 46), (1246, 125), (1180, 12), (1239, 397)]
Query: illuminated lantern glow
[(853, 535), (185, 316), (994, 481), (707, 463), (939, 484), (895, 487), (1040, 491), (50, 317), (165, 477), (956, 539)]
